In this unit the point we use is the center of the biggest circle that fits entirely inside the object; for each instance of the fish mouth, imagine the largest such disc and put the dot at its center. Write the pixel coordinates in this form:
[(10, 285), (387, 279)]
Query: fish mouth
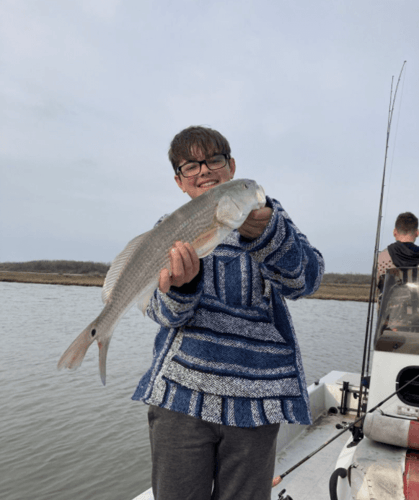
[(260, 196)]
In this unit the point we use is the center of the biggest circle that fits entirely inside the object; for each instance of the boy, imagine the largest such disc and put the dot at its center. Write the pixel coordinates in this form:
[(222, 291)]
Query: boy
[(227, 367)]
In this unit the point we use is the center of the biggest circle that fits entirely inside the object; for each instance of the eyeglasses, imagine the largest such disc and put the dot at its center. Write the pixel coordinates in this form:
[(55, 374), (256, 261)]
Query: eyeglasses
[(193, 168)]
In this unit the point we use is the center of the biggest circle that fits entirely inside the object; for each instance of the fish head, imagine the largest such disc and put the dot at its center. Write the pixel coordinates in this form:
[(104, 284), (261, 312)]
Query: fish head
[(240, 197)]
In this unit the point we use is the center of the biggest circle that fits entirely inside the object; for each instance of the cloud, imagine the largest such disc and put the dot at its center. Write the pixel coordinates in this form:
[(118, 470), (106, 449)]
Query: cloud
[(102, 9), (92, 92)]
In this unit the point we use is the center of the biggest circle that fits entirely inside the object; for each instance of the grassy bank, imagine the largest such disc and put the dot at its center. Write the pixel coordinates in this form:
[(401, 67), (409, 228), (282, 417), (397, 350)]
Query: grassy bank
[(57, 267), (341, 291), (334, 286)]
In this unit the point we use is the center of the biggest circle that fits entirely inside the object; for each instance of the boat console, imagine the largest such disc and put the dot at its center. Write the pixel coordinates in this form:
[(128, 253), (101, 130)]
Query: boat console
[(385, 464), (396, 345), (398, 320)]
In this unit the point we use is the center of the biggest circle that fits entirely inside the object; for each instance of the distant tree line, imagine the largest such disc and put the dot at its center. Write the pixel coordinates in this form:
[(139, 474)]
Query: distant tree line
[(100, 269), (57, 266)]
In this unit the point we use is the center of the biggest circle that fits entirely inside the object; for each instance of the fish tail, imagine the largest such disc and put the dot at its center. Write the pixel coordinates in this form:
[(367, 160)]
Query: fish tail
[(74, 355), (103, 352)]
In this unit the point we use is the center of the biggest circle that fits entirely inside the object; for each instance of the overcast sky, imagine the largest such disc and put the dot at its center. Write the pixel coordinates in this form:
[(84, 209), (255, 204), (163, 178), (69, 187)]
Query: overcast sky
[(93, 91)]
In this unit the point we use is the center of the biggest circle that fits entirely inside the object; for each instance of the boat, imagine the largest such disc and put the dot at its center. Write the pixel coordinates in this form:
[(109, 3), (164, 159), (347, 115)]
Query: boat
[(295, 440), (377, 458), (384, 464)]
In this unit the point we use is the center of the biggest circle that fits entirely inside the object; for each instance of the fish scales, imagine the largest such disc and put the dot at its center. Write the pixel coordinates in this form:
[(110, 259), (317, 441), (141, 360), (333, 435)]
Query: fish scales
[(204, 222), (155, 250), (185, 225)]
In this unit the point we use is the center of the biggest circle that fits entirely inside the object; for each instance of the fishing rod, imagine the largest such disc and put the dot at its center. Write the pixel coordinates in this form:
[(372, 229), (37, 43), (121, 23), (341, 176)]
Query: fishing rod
[(371, 301), (373, 287), (279, 478)]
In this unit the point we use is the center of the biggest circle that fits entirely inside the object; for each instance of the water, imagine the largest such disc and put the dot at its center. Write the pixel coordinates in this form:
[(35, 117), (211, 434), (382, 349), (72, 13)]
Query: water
[(62, 434)]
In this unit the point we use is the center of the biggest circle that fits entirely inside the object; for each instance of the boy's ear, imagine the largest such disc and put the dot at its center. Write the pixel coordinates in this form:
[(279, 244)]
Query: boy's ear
[(232, 164), (179, 182)]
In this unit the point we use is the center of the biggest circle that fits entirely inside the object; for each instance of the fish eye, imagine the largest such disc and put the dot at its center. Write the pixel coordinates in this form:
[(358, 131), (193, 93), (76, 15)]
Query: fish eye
[(93, 332)]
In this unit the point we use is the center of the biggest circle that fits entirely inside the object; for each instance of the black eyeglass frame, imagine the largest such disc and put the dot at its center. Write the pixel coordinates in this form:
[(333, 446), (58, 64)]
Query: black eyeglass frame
[(179, 171)]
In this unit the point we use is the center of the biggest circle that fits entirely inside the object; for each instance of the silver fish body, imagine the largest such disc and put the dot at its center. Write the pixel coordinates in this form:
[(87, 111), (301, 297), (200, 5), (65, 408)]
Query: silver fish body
[(204, 222)]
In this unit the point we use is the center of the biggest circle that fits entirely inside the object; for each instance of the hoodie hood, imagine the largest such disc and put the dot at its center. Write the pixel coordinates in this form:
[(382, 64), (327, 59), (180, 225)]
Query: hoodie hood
[(404, 254)]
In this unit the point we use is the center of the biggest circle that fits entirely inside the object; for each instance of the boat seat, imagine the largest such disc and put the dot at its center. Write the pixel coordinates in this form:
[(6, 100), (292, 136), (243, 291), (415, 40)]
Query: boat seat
[(395, 431)]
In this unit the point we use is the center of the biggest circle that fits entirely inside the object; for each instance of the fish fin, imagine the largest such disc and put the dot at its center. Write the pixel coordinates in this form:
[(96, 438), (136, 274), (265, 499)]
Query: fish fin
[(118, 265), (228, 213), (209, 240), (146, 294), (74, 355), (103, 352)]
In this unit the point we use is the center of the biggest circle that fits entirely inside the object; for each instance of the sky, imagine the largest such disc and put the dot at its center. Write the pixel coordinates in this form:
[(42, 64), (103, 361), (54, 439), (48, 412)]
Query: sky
[(93, 91)]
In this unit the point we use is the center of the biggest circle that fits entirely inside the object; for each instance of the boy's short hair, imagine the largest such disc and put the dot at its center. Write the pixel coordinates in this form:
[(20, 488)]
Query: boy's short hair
[(406, 223), (209, 141)]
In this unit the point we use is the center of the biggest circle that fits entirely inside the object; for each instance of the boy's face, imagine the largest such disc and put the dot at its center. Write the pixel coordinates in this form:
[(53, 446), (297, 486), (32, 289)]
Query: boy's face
[(206, 179)]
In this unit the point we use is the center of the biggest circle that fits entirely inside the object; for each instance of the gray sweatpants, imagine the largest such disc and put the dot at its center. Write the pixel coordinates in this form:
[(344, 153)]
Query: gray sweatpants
[(197, 460)]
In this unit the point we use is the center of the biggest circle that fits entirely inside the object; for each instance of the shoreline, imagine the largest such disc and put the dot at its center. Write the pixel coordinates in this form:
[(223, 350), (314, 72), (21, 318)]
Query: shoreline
[(342, 291), (327, 291)]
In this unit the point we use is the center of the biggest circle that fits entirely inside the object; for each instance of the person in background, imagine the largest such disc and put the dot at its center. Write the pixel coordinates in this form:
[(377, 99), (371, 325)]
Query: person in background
[(404, 252), (226, 367)]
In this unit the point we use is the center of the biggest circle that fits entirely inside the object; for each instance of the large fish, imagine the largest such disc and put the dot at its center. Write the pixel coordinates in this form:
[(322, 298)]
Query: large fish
[(204, 222)]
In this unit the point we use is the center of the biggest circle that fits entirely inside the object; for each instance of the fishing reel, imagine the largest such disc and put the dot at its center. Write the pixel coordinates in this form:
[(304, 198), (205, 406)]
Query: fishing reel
[(282, 497)]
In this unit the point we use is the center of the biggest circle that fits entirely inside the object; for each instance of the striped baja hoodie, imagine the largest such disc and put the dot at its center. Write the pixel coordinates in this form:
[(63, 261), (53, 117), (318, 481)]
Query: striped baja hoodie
[(226, 350)]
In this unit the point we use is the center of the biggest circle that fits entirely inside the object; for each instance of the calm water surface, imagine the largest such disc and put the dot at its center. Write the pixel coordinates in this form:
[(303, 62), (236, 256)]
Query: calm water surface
[(63, 434)]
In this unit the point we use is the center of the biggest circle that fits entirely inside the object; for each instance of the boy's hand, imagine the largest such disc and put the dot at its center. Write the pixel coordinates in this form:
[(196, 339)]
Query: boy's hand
[(185, 266), (255, 223)]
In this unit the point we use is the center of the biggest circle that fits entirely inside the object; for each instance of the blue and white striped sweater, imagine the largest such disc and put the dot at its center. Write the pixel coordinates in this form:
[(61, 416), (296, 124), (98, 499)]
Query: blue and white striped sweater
[(226, 351)]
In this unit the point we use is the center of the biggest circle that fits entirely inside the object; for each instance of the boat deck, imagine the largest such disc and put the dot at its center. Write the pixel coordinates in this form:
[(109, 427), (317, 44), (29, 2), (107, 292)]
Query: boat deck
[(310, 481)]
